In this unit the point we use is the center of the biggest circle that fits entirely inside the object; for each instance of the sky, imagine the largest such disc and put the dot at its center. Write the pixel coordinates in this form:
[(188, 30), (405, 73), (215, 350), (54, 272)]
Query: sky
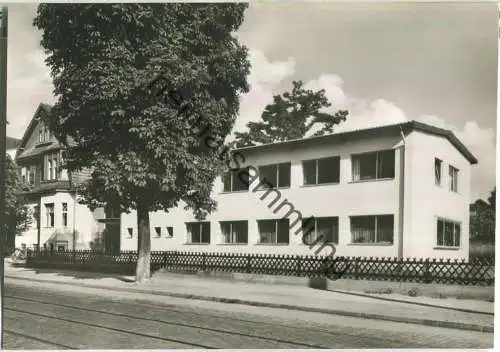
[(385, 63)]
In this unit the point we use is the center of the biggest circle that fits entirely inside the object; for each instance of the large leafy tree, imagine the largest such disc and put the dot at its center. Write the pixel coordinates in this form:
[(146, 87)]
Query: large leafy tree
[(133, 82), (17, 215), (292, 115)]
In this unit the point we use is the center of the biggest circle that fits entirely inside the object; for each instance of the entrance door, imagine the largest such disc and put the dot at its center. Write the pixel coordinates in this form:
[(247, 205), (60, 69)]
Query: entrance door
[(112, 238)]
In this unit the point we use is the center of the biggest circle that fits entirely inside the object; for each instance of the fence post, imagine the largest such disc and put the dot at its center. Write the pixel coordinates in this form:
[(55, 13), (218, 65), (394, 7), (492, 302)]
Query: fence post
[(204, 262), (299, 262), (427, 266), (356, 268), (165, 259), (249, 257)]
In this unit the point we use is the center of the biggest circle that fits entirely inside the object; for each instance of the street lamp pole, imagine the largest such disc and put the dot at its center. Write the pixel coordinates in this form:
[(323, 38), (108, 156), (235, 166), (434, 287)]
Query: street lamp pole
[(3, 137)]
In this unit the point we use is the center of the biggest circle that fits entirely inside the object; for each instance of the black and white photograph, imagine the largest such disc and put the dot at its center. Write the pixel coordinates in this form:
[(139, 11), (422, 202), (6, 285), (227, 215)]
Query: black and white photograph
[(248, 175)]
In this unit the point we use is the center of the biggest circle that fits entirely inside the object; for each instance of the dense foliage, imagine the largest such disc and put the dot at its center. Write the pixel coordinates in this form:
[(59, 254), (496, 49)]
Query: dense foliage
[(144, 151), (17, 216), (291, 116)]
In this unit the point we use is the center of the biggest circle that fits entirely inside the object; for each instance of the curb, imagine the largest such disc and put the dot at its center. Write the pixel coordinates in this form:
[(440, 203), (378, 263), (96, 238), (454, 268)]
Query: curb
[(428, 305), (426, 322)]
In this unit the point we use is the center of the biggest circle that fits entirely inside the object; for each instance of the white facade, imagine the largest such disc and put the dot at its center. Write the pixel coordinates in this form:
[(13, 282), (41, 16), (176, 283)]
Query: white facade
[(63, 223), (410, 200)]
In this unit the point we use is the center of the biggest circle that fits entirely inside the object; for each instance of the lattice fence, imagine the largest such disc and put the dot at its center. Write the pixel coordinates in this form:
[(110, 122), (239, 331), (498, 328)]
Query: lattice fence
[(476, 272)]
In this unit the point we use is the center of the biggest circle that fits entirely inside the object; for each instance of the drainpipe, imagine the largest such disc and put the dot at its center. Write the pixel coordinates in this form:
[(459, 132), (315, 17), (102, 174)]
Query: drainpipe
[(402, 150)]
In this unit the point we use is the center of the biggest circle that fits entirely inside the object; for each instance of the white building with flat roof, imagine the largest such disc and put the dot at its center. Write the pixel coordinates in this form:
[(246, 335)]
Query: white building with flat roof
[(393, 191)]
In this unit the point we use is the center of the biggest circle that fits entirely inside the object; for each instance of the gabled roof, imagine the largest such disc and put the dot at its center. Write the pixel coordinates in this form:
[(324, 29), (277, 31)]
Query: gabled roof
[(34, 120), (406, 127)]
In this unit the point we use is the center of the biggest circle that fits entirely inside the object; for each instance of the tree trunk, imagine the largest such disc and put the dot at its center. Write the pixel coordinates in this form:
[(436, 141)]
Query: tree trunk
[(143, 270)]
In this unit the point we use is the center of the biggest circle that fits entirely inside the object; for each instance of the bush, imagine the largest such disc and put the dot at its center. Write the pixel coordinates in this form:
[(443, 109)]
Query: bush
[(478, 250)]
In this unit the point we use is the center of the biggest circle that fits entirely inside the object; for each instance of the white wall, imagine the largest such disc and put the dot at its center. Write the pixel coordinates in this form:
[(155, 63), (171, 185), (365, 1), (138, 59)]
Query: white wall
[(343, 200), (78, 215), (426, 201)]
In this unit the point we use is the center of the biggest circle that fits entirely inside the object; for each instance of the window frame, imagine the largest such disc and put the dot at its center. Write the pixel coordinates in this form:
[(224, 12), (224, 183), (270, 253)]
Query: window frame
[(31, 174), (276, 231), (316, 161), (277, 170), (170, 231), (44, 135), (453, 174), (65, 214), (50, 165), (376, 229), (50, 215), (130, 232), (336, 233), (377, 154), (157, 231), (231, 233), (454, 223), (200, 234), (438, 171), (232, 174)]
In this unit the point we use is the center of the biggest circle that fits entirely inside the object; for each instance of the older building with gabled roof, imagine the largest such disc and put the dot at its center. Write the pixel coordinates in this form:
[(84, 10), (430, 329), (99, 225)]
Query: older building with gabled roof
[(59, 221)]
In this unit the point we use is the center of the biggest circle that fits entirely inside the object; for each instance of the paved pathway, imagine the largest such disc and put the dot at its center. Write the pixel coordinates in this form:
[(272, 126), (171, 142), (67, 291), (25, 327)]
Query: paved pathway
[(41, 315), (284, 296)]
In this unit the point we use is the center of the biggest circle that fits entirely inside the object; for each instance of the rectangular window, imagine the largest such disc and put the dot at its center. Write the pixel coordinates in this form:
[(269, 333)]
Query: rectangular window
[(232, 180), (372, 229), (321, 171), (44, 134), (31, 175), (274, 231), (170, 231), (36, 215), (198, 232), (324, 229), (158, 231), (130, 232), (448, 233), (65, 214), (275, 175), (235, 231), (49, 211), (453, 179), (437, 171), (50, 166), (373, 166)]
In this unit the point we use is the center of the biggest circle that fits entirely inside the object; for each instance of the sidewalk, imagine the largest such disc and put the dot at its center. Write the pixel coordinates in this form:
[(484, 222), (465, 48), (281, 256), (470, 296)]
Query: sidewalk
[(478, 315)]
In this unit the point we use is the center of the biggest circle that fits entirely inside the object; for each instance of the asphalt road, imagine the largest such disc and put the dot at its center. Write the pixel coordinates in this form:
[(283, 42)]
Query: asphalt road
[(42, 318)]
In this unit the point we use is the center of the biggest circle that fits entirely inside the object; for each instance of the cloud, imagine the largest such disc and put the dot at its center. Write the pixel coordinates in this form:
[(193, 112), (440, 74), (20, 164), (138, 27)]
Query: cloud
[(29, 84), (266, 76), (28, 79)]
